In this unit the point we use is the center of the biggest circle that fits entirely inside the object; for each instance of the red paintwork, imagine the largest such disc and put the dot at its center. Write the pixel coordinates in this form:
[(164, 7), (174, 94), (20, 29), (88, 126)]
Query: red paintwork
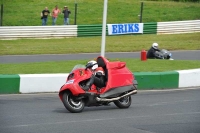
[(118, 75)]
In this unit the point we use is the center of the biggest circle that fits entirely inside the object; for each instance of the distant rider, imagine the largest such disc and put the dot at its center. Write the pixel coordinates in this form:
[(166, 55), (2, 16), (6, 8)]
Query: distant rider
[(151, 54), (98, 76)]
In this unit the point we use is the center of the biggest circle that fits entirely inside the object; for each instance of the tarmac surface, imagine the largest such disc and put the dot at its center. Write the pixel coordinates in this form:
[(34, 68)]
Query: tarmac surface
[(166, 111), (177, 55)]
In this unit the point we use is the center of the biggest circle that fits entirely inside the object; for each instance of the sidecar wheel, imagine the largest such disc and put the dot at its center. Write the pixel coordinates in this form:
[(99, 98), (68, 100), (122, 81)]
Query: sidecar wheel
[(72, 105), (123, 102)]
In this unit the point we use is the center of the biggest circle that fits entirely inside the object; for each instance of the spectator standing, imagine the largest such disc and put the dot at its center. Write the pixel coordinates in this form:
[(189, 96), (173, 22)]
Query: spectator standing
[(44, 15), (55, 13), (66, 13)]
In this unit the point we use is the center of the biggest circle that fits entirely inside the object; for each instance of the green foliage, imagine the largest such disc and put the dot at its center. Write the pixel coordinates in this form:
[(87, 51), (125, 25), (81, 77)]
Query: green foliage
[(128, 43), (27, 12), (135, 65)]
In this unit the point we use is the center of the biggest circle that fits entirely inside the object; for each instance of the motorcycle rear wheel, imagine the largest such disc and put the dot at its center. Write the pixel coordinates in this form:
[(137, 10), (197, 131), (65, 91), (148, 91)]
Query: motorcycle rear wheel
[(72, 105), (124, 102)]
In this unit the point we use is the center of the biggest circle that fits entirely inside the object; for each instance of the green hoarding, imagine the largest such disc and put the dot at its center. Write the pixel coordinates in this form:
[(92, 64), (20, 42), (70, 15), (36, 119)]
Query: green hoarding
[(157, 80), (9, 84)]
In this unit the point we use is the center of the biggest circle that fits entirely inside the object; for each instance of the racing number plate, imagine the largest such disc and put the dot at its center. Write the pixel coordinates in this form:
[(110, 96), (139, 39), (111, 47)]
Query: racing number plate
[(70, 81)]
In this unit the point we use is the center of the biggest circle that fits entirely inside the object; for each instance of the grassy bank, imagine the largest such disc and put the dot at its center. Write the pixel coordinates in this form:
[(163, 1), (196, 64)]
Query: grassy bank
[(135, 65), (127, 43), (23, 12)]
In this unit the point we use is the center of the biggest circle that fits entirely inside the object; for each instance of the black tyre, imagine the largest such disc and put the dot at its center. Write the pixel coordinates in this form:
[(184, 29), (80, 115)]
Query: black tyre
[(124, 102), (72, 105)]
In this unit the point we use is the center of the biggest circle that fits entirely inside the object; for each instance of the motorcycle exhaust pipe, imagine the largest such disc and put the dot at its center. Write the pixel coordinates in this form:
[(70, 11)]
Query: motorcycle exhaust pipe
[(116, 98)]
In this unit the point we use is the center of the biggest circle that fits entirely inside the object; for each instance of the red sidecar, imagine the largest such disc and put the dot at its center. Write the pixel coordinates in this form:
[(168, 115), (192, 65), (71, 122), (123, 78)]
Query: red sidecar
[(120, 85)]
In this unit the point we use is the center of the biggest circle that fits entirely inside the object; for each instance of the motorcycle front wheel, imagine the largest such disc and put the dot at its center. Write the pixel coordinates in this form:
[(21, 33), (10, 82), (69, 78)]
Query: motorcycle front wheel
[(124, 102), (71, 104)]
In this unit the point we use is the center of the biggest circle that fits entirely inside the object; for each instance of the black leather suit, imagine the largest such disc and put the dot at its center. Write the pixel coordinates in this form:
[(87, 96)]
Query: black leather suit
[(151, 54)]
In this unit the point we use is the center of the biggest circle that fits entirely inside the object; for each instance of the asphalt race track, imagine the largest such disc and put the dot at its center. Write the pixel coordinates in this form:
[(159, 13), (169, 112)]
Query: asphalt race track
[(177, 55), (171, 111), (166, 111)]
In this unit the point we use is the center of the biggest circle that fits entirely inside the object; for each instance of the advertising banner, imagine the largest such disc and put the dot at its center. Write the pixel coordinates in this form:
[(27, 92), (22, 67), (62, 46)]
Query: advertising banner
[(129, 28)]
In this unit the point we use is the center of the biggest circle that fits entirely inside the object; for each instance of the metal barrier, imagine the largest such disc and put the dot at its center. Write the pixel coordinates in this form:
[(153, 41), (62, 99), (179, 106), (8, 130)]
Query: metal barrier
[(173, 27), (178, 27), (12, 32)]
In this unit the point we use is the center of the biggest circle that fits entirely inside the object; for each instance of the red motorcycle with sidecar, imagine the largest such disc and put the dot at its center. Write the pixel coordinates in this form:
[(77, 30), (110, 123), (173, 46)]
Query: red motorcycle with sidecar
[(120, 85)]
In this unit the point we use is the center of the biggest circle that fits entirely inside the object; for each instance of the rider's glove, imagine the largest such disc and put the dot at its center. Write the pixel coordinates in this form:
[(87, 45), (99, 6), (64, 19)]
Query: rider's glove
[(98, 74)]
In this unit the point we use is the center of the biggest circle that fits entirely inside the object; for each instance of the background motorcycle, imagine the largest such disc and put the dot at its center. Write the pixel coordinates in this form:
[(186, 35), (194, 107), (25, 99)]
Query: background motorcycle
[(120, 85), (164, 54)]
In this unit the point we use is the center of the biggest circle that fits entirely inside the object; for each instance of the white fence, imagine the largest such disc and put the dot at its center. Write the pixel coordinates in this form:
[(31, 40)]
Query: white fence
[(11, 32), (177, 27)]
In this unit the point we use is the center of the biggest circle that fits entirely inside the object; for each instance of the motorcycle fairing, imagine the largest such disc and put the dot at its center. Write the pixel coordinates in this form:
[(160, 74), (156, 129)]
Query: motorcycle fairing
[(77, 78)]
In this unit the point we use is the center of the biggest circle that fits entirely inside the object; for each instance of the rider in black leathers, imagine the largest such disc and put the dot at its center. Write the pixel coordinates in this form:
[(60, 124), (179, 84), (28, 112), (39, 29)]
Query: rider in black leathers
[(151, 54), (98, 76)]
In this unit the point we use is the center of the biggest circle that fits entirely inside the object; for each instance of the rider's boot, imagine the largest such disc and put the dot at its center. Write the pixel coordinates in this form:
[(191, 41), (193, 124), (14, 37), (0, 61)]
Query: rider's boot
[(89, 83)]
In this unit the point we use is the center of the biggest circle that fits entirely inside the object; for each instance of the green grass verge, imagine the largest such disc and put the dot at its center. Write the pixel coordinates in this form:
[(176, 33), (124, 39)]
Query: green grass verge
[(27, 12), (135, 65), (127, 43)]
